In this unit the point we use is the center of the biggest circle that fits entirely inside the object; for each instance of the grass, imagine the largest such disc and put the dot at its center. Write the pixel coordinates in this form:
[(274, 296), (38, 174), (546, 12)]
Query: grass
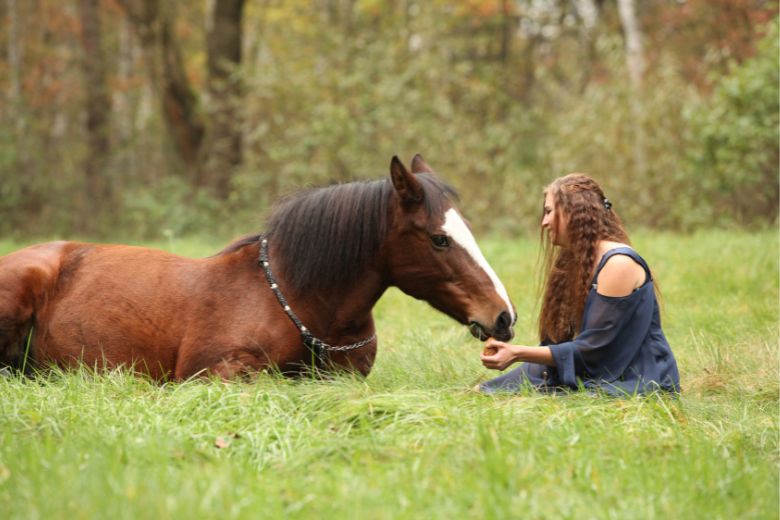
[(411, 441)]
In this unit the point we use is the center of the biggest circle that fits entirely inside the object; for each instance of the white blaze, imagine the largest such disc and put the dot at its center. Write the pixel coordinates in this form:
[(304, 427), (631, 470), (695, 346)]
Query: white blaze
[(456, 228)]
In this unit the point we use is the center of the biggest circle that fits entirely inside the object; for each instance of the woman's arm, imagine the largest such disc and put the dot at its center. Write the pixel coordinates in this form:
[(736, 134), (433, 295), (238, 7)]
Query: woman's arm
[(620, 276), (499, 355)]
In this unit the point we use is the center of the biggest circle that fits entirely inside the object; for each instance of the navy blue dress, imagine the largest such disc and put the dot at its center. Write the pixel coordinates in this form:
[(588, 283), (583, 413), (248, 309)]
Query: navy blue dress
[(620, 350)]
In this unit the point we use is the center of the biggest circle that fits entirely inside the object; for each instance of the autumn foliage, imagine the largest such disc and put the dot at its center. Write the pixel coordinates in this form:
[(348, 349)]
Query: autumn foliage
[(146, 118)]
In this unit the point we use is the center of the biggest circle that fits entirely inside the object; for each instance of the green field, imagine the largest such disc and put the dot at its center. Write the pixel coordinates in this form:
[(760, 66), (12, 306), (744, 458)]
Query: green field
[(411, 440)]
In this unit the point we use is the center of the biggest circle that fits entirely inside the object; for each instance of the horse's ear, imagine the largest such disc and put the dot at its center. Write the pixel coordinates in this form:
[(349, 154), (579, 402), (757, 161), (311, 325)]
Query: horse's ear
[(406, 185), (419, 165)]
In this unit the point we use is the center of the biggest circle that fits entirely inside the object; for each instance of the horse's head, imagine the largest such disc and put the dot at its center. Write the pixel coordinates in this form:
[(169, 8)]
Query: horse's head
[(432, 255)]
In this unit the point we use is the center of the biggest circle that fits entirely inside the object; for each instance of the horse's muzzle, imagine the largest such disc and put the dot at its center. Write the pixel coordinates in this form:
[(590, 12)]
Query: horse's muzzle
[(502, 329), (478, 331)]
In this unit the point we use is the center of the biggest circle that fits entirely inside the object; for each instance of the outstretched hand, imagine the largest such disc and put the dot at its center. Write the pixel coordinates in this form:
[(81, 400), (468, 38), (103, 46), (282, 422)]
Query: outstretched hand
[(497, 355)]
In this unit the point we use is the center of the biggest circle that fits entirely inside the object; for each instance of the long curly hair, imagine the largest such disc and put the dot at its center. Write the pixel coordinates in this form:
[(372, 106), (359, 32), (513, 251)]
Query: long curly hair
[(567, 271)]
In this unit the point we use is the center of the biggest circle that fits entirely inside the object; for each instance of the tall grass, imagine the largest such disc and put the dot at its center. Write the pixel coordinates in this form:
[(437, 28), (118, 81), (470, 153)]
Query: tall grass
[(411, 440)]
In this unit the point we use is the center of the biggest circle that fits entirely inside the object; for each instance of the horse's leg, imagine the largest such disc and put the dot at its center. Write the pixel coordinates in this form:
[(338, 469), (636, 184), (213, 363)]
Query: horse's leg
[(26, 278), (223, 363), (16, 315)]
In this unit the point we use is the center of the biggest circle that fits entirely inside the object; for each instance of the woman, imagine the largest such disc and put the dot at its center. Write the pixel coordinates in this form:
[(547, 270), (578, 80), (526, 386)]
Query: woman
[(600, 326)]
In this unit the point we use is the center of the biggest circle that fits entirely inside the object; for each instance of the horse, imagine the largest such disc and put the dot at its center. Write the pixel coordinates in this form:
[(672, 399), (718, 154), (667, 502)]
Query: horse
[(298, 296)]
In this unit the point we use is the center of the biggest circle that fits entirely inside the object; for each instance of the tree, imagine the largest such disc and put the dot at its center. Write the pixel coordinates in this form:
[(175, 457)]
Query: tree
[(635, 58), (210, 146), (98, 110), (589, 14), (735, 136), (14, 56), (223, 145), (635, 61)]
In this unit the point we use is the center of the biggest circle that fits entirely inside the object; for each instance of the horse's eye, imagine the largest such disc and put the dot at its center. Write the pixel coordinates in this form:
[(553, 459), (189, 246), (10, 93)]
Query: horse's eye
[(440, 241)]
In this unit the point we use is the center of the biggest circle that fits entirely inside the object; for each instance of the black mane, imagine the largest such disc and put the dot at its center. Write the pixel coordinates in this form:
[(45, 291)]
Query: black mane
[(325, 237)]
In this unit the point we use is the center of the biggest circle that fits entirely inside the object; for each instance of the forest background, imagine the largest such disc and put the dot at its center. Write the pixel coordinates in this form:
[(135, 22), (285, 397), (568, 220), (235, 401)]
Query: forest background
[(149, 118)]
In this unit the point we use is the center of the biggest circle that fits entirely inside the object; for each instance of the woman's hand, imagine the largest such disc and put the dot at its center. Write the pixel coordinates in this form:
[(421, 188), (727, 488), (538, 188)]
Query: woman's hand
[(498, 355)]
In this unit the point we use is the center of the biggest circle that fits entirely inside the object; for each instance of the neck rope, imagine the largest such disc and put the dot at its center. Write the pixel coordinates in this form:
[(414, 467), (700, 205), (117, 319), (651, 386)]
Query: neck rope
[(316, 346)]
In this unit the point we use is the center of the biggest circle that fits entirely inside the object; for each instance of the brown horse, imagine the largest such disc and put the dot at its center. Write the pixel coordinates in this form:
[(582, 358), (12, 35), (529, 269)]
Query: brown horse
[(301, 293)]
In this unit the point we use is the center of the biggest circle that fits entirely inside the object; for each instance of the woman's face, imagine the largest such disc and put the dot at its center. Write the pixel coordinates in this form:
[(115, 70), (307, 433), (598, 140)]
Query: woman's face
[(554, 221)]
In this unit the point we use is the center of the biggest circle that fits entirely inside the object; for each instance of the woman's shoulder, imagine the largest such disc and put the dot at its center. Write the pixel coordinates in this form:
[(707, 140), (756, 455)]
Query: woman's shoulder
[(622, 270)]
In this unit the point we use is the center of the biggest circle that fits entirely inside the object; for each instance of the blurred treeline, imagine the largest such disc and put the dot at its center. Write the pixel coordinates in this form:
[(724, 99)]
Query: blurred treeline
[(152, 117)]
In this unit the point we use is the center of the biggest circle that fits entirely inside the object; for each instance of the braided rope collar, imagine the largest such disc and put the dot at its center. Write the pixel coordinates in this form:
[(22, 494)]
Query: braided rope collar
[(316, 346)]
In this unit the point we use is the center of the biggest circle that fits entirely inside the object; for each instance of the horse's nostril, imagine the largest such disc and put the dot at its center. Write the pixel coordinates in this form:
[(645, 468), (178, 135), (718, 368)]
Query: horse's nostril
[(504, 321)]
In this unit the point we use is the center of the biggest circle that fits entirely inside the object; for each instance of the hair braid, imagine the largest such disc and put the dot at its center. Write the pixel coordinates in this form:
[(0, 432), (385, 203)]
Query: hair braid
[(568, 271)]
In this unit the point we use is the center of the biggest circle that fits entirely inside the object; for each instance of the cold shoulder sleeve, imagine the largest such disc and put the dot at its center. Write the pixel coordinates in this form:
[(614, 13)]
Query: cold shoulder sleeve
[(606, 344), (620, 350)]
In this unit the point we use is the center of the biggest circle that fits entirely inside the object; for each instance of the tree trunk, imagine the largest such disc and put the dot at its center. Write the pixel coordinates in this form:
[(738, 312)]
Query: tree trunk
[(17, 182), (589, 14), (635, 58), (180, 102), (153, 23), (98, 110), (14, 54), (507, 32), (124, 108), (635, 62), (223, 150), (527, 69), (211, 148)]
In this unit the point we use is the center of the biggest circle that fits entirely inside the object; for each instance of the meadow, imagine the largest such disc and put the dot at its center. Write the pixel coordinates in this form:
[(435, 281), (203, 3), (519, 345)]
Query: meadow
[(412, 440)]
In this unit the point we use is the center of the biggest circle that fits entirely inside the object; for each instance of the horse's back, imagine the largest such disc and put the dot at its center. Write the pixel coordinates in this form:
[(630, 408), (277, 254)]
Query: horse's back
[(165, 315), (54, 269), (81, 299), (120, 305)]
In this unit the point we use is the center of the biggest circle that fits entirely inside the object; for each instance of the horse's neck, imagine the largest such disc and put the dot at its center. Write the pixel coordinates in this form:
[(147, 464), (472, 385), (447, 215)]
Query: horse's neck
[(346, 312), (332, 314)]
